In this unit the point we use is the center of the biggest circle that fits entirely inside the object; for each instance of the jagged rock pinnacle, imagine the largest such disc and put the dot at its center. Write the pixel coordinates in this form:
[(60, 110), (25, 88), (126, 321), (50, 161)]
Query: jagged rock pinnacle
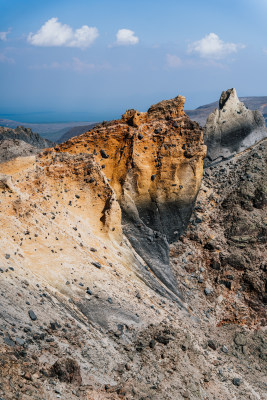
[(226, 96), (232, 128)]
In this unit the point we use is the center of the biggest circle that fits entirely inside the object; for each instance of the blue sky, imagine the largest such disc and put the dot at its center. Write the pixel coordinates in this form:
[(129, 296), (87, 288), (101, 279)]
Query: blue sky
[(101, 57)]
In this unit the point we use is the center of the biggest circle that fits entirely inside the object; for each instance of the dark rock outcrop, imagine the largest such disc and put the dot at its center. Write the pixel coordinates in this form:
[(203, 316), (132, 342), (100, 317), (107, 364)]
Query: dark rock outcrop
[(232, 128)]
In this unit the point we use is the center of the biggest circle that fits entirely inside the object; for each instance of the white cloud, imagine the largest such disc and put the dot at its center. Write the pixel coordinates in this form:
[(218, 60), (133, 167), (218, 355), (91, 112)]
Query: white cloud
[(211, 46), (126, 37), (54, 33), (3, 35), (173, 61)]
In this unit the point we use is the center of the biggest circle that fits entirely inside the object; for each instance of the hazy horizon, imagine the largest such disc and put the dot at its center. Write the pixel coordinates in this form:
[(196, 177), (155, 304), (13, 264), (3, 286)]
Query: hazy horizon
[(93, 60)]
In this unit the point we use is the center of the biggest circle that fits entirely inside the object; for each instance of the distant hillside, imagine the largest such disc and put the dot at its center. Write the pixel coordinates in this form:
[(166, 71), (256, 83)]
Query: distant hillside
[(26, 135), (75, 131), (50, 131), (20, 142), (201, 113)]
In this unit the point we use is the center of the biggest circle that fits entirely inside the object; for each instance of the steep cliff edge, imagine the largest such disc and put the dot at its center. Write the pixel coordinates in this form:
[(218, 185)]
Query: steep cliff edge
[(232, 128), (154, 163)]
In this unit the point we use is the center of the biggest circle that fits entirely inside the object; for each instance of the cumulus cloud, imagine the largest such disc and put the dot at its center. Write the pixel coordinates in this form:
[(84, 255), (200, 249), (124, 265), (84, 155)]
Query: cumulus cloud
[(126, 37), (173, 61), (211, 46), (54, 33)]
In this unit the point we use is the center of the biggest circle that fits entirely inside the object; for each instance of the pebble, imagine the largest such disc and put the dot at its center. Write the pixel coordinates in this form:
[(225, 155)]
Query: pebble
[(237, 381), (96, 264), (32, 315), (54, 326), (20, 341), (9, 342), (212, 344), (104, 154), (240, 339), (207, 291), (224, 349)]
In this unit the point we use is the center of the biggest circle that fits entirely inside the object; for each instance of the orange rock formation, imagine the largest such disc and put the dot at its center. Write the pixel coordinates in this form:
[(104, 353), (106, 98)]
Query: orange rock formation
[(152, 160)]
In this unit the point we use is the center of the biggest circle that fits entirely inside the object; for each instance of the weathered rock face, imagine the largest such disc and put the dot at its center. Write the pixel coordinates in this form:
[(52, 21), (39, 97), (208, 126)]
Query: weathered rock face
[(232, 128), (20, 142), (154, 163)]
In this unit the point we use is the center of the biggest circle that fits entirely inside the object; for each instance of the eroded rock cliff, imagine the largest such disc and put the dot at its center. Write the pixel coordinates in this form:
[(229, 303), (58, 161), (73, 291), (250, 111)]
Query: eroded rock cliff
[(154, 163)]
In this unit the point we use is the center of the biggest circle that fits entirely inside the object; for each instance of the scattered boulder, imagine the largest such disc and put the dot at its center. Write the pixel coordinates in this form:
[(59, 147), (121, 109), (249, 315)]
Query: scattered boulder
[(67, 370)]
